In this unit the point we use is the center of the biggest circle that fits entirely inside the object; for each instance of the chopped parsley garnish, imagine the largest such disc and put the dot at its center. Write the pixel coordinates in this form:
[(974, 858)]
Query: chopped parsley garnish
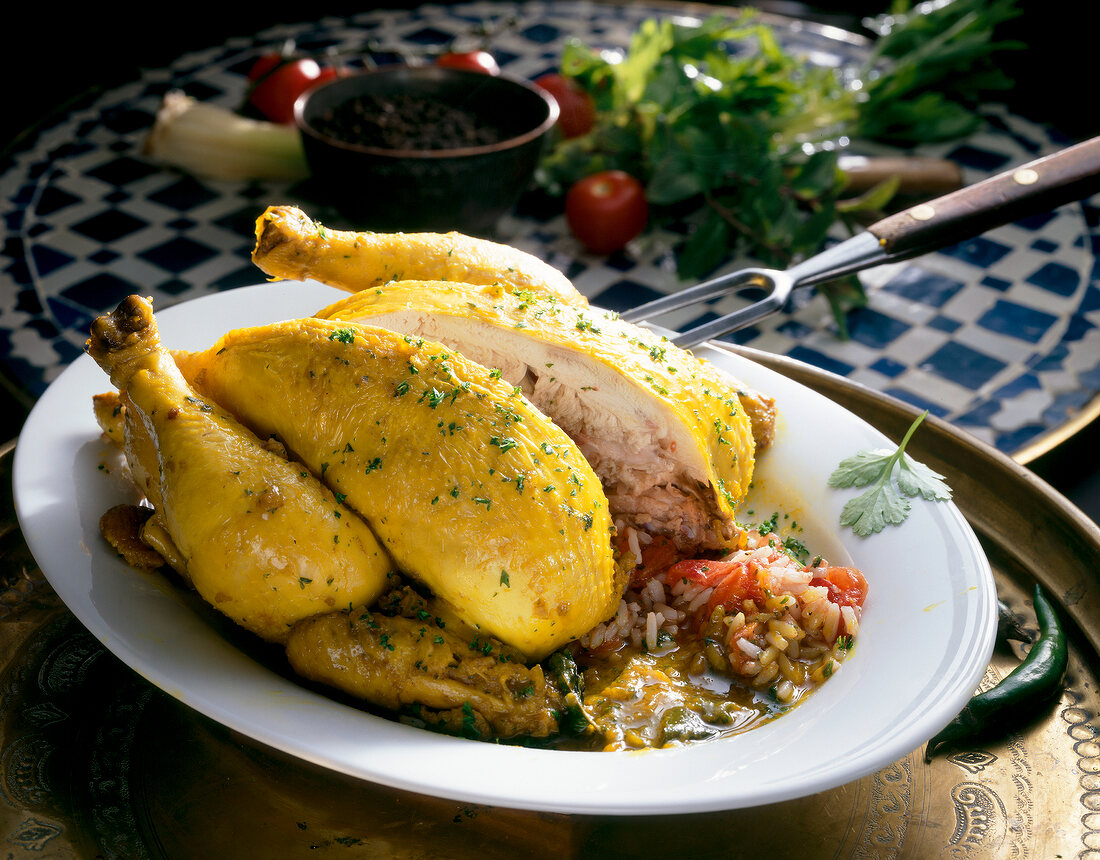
[(343, 335), (434, 397), (505, 443), (584, 324), (796, 549), (469, 723)]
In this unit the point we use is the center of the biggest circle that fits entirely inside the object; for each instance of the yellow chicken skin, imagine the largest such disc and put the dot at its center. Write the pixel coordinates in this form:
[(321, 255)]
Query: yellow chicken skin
[(128, 430), (261, 539), (472, 490), (291, 246), (110, 415), (667, 434)]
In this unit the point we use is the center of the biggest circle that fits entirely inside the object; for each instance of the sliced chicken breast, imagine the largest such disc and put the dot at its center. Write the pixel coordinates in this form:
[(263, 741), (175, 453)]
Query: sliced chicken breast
[(667, 434)]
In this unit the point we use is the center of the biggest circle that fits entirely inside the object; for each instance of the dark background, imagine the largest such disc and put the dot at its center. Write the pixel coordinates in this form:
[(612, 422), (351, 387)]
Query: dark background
[(56, 55)]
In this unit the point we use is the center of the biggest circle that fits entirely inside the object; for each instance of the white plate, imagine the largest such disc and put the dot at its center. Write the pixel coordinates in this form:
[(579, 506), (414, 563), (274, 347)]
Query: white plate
[(926, 638)]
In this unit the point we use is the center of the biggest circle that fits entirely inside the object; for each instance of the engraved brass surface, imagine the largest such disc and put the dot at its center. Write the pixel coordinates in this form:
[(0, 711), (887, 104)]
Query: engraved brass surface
[(96, 762)]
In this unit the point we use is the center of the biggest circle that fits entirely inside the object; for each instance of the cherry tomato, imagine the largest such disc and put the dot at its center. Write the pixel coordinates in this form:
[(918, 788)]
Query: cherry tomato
[(265, 64), (606, 210), (277, 83), (577, 110), (472, 61)]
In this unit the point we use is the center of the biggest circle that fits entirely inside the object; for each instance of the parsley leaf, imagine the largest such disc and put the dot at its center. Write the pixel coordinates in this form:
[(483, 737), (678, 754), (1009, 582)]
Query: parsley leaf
[(916, 478), (734, 135), (893, 477)]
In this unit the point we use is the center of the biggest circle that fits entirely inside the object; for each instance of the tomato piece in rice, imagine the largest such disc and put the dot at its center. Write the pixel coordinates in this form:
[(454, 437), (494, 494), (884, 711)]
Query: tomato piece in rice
[(733, 582), (846, 585), (657, 556)]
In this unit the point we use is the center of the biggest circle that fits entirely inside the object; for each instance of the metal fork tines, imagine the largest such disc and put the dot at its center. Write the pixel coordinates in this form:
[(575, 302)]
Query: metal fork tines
[(848, 256)]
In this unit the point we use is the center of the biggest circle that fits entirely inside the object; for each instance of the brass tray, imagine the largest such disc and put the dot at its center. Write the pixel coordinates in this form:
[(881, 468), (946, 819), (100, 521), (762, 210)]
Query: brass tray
[(96, 762)]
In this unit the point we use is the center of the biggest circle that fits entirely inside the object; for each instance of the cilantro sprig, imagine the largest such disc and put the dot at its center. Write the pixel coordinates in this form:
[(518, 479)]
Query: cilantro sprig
[(894, 478)]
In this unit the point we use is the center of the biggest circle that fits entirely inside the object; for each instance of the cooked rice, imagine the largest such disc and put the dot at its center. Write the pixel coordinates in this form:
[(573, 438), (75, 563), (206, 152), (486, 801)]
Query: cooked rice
[(749, 648), (794, 639)]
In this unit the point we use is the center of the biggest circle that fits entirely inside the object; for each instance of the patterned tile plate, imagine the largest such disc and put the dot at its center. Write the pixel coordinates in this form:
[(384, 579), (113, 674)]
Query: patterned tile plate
[(998, 335)]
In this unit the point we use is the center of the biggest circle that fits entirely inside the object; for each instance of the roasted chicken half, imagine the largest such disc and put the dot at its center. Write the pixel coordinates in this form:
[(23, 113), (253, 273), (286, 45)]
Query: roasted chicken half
[(258, 536), (670, 436), (473, 491), (292, 246)]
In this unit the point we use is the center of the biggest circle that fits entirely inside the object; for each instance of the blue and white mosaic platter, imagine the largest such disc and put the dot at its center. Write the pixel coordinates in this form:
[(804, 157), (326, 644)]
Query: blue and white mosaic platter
[(998, 335)]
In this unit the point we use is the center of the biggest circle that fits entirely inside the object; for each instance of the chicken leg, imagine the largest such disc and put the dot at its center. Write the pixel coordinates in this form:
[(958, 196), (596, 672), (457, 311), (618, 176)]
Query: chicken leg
[(259, 537), (292, 246)]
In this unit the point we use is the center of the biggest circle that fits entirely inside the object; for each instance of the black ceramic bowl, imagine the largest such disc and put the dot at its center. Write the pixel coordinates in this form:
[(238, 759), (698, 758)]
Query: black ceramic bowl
[(406, 186)]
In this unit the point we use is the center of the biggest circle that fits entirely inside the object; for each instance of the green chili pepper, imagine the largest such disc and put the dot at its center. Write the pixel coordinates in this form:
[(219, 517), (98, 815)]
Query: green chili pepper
[(1009, 626), (1035, 681)]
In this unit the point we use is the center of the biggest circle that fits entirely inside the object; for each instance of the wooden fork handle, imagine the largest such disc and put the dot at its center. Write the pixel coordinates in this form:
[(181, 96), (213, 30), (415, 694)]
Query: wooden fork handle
[(1035, 188)]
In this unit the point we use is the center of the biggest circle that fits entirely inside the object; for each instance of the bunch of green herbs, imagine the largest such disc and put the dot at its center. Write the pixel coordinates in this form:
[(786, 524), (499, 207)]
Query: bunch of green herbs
[(739, 138)]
